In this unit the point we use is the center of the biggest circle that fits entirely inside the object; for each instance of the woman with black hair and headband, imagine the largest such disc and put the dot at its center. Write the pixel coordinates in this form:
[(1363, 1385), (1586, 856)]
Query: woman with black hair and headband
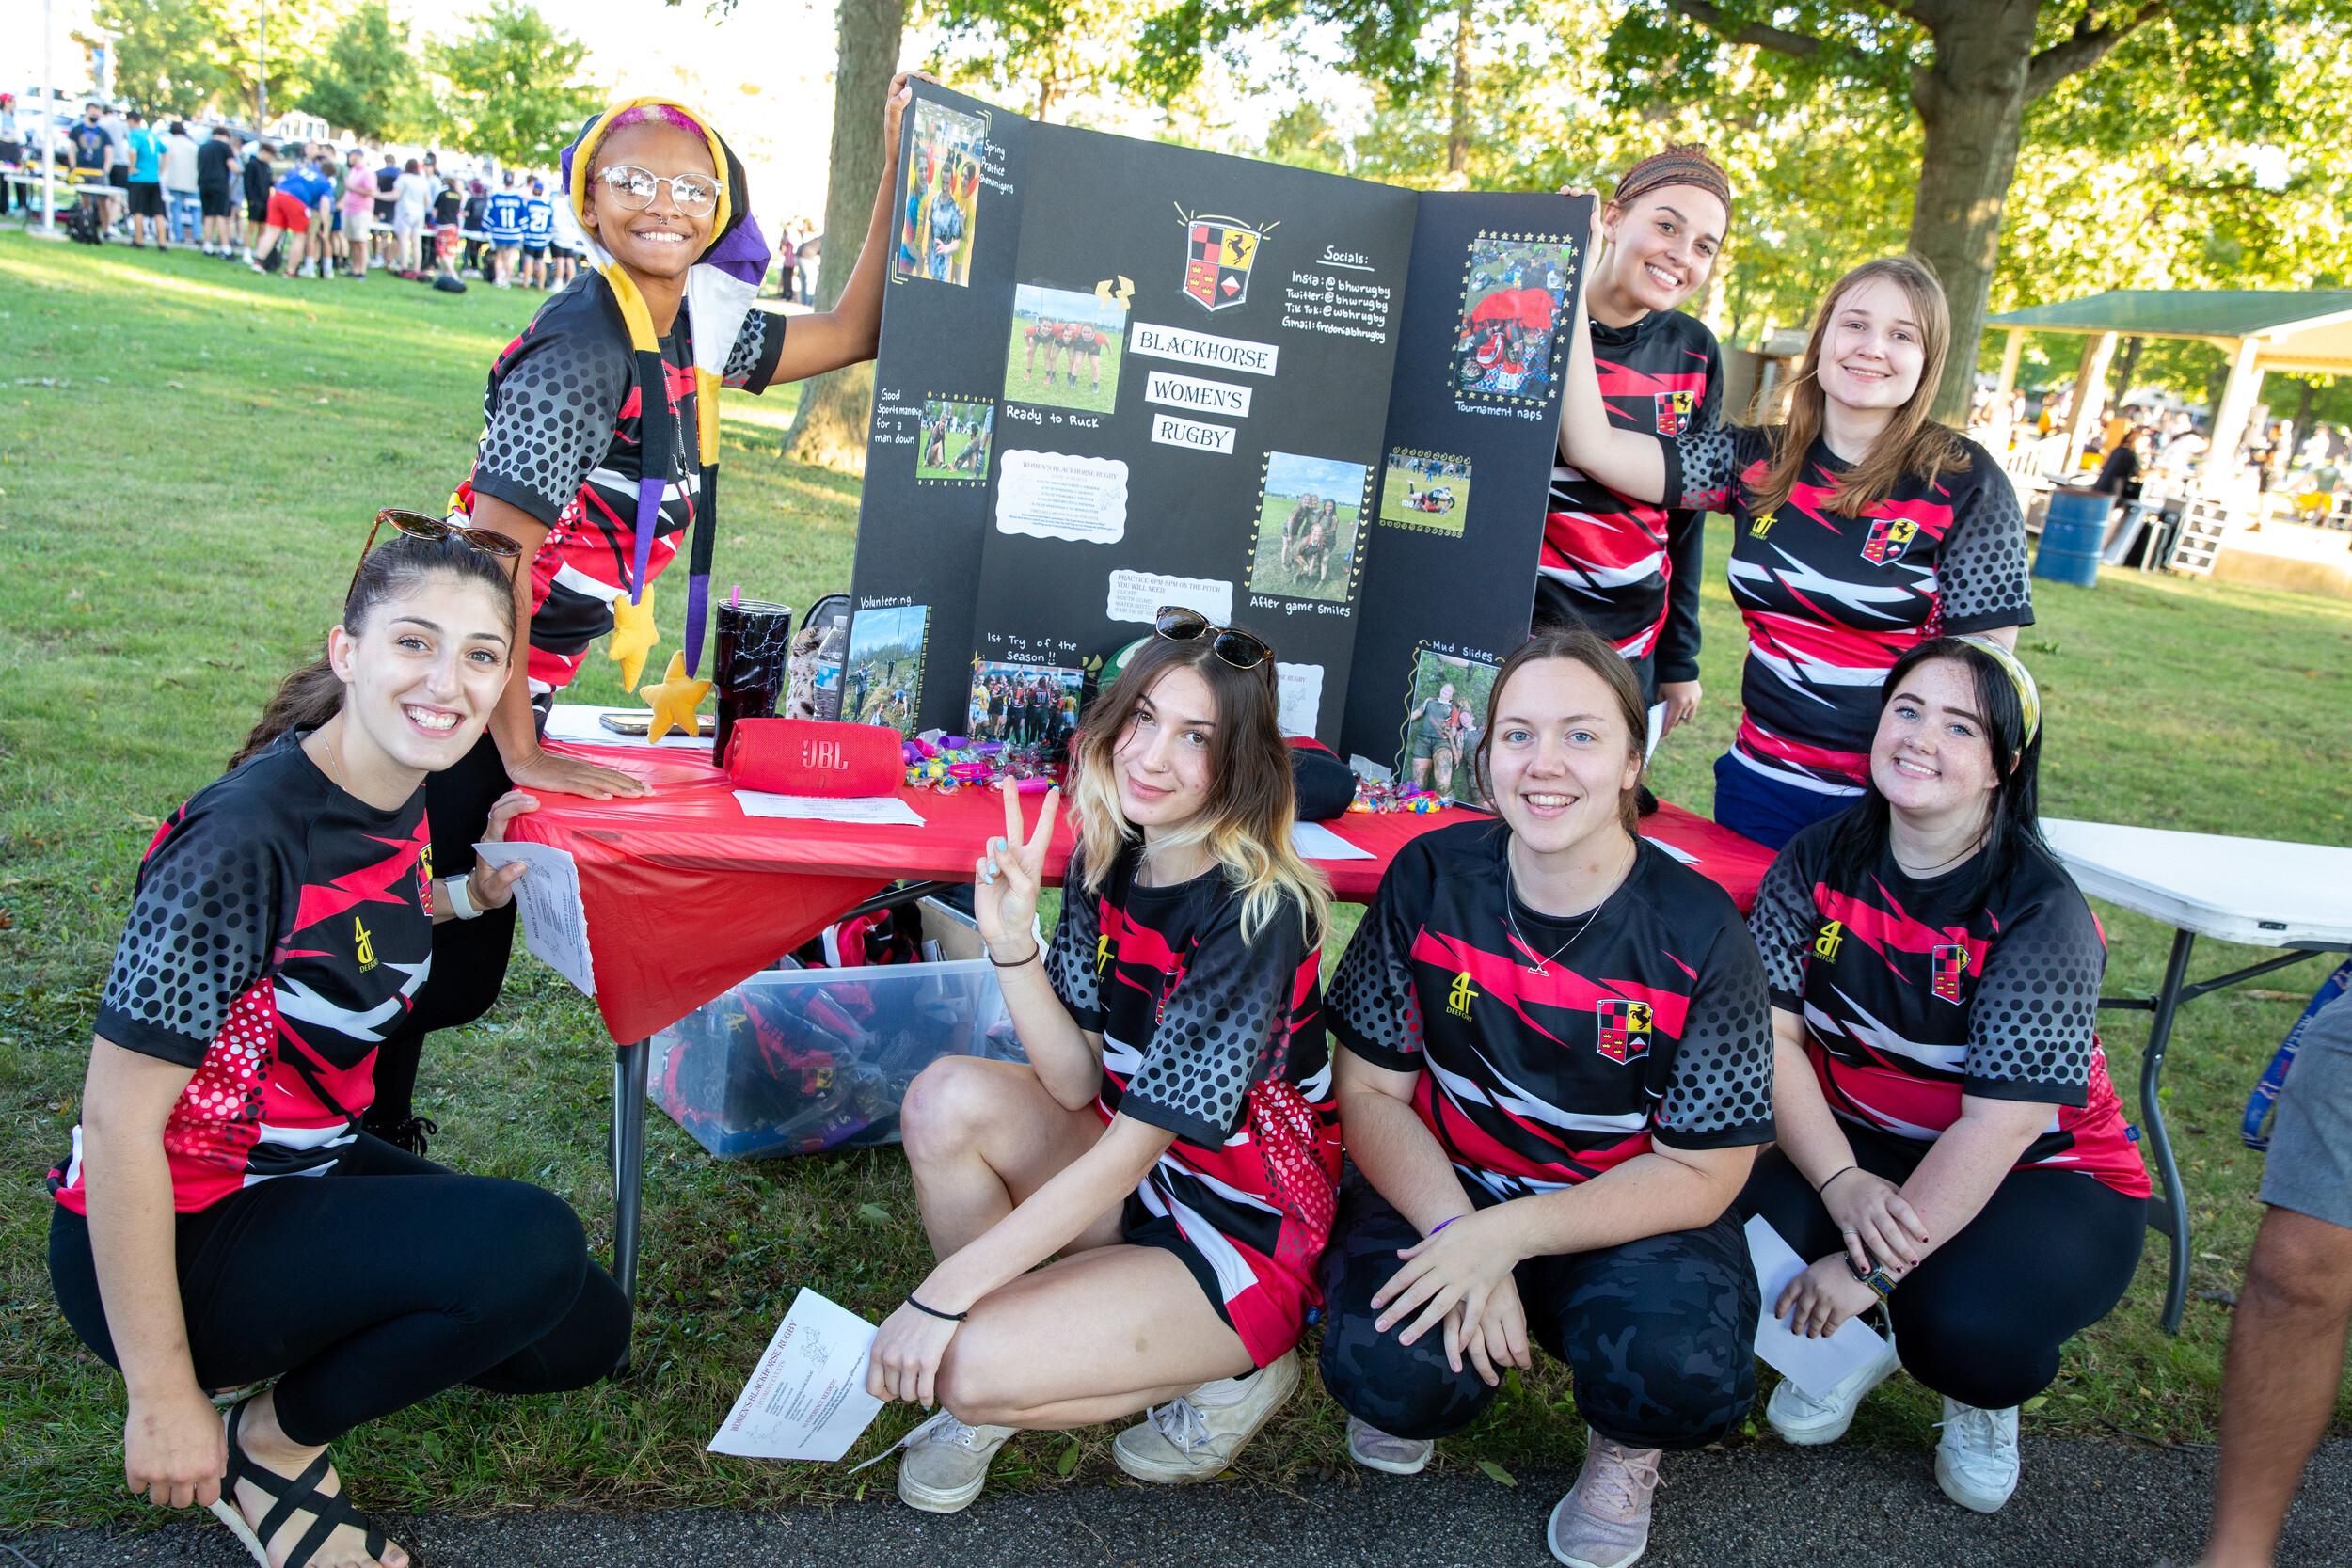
[(1949, 1142), (1629, 568), (600, 429)]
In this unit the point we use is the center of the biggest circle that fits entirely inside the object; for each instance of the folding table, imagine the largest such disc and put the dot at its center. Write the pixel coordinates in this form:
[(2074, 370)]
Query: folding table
[(686, 896), (2255, 891)]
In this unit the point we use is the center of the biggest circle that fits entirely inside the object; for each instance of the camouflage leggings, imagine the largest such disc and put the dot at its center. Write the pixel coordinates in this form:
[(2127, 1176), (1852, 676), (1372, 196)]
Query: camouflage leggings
[(1660, 1333)]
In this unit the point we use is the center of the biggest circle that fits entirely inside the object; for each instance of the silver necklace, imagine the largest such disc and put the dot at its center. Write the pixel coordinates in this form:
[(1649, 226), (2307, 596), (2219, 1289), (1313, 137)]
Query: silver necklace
[(332, 766), (1510, 893), (1544, 963)]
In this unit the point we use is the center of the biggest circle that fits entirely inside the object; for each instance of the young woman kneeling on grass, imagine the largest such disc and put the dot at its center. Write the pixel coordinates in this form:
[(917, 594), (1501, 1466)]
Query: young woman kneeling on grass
[(1949, 1142), (282, 926), (1170, 1144), (1557, 1071)]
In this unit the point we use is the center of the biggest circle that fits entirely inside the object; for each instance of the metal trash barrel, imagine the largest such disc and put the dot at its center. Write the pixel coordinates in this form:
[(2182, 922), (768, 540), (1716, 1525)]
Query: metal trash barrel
[(2072, 535)]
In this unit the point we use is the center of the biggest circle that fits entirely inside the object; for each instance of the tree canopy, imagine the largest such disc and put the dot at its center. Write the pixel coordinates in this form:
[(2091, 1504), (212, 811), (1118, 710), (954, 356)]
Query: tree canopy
[(513, 84)]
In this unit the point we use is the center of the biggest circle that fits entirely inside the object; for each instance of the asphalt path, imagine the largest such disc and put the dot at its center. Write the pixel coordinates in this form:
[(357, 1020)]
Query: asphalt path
[(2082, 1503)]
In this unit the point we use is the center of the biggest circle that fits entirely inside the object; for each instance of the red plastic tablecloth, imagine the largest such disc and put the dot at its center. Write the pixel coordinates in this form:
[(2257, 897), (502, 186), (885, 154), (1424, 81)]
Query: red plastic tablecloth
[(687, 896)]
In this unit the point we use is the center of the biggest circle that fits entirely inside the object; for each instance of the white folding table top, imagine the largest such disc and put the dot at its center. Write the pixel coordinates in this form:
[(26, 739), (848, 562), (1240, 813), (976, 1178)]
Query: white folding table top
[(2256, 891)]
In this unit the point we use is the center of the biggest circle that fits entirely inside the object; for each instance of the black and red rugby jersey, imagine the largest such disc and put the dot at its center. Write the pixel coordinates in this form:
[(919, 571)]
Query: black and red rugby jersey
[(1651, 1025), (560, 433), (1832, 600), (1218, 1040), (1628, 569), (279, 933), (1914, 994)]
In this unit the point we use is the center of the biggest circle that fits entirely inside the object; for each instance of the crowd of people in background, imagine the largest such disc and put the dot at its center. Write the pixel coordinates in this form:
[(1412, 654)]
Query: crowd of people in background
[(297, 208)]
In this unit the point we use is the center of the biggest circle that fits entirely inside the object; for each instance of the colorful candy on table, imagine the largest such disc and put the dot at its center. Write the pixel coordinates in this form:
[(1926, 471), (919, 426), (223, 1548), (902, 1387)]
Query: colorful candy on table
[(949, 763), (1380, 795)]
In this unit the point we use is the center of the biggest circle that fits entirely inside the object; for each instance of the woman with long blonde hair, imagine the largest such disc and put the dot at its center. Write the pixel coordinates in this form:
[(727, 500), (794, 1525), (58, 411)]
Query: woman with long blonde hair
[(1170, 1142), (1861, 527)]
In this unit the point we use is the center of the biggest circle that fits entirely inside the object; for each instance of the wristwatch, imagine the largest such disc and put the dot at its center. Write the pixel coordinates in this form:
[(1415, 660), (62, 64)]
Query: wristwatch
[(1876, 1279), (459, 904)]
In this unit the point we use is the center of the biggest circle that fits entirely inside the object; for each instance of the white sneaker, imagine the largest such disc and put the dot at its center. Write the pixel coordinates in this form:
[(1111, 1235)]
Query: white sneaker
[(1197, 1436), (1806, 1421), (945, 1462), (1976, 1461), (1375, 1449), (309, 269)]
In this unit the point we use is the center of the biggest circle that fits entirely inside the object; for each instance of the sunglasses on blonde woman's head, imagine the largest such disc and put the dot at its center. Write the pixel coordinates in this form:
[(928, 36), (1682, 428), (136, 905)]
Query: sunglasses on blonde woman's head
[(1236, 648), (416, 525), (632, 189)]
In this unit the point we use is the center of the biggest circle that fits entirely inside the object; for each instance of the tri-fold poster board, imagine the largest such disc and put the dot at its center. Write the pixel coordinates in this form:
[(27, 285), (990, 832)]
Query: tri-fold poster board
[(1117, 375)]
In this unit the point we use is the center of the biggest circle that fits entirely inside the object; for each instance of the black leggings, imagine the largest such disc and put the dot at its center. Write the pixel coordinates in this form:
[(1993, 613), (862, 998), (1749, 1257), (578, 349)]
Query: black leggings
[(1981, 1319), (1660, 1333), (469, 956), (375, 1288)]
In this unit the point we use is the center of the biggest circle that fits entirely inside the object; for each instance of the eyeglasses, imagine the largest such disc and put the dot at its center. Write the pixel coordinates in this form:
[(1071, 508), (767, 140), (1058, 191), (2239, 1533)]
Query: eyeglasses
[(632, 189), (416, 525), (1236, 648)]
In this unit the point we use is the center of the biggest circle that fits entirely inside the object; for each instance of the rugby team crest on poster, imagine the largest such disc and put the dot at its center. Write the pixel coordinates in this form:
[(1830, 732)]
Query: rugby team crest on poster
[(1217, 256), (1624, 1029)]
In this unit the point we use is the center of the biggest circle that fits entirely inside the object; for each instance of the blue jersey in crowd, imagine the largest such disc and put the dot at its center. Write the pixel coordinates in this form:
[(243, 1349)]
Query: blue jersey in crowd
[(538, 221), (146, 157), (503, 218), (306, 184)]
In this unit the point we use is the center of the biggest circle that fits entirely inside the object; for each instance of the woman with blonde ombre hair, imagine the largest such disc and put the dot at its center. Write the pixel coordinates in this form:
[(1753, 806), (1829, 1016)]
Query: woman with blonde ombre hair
[(1861, 527), (1170, 1142)]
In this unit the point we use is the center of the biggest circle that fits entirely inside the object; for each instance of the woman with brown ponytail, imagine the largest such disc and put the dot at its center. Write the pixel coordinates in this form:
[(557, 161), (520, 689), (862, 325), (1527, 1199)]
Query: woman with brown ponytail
[(221, 1219)]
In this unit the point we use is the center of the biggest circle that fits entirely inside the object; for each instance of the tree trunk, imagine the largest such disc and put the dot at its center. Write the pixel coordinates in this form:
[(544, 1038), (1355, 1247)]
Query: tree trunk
[(836, 407), (1457, 141), (1972, 107)]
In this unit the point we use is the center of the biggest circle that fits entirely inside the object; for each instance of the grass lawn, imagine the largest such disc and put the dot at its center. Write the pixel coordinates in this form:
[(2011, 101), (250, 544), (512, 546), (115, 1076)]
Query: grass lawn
[(176, 520)]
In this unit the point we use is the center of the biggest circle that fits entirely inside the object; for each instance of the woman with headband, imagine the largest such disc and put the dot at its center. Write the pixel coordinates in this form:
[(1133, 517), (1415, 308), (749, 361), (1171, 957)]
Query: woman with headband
[(1949, 1144), (599, 441), (1860, 528), (1629, 569)]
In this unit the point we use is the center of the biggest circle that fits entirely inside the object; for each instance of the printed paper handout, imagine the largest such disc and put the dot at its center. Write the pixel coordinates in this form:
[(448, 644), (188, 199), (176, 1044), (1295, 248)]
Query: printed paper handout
[(807, 1398), (555, 922), (1815, 1365), (872, 810)]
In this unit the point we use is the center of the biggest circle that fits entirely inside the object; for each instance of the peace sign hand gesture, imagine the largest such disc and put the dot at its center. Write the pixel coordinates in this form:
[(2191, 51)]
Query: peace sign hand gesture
[(1008, 878)]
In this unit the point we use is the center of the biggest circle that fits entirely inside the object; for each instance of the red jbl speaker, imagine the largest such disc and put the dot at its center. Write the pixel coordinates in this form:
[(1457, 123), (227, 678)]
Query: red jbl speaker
[(814, 756)]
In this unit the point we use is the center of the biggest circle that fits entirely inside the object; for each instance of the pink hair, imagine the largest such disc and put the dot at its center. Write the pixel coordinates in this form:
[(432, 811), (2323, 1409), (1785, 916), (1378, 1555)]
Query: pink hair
[(645, 114)]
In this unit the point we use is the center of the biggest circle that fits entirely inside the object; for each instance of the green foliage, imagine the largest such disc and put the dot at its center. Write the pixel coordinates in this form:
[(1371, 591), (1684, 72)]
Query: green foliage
[(290, 27), (164, 52), (1049, 51), (366, 80), (1381, 36), (515, 90)]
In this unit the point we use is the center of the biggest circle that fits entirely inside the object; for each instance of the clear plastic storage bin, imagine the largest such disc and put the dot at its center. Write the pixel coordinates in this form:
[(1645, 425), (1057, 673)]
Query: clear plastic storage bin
[(795, 1061)]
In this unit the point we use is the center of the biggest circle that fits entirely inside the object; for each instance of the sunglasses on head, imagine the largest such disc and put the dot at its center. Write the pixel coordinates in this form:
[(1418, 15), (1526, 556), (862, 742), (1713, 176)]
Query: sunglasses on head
[(416, 525), (1236, 648)]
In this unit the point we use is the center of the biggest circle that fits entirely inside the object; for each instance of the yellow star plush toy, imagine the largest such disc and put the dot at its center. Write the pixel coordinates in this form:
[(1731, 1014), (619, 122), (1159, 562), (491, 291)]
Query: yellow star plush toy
[(674, 700), (633, 638)]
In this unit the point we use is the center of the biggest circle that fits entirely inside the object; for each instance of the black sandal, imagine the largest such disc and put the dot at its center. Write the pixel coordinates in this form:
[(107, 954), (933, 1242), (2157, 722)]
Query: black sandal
[(298, 1496)]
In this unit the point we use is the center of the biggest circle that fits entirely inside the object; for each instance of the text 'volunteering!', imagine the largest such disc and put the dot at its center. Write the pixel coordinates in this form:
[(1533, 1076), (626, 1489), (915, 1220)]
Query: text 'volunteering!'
[(1201, 348)]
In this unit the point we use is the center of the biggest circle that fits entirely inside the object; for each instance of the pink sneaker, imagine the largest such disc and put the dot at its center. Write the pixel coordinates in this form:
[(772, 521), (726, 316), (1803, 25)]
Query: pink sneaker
[(1604, 1520)]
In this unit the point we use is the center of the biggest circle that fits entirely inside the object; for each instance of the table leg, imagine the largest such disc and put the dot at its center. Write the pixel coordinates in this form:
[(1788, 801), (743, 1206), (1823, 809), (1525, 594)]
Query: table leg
[(2174, 1202), (629, 1063)]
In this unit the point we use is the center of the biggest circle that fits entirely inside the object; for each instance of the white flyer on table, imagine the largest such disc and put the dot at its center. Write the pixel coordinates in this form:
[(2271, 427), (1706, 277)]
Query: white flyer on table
[(1815, 1365), (555, 924), (807, 1398), (1315, 842), (871, 810)]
